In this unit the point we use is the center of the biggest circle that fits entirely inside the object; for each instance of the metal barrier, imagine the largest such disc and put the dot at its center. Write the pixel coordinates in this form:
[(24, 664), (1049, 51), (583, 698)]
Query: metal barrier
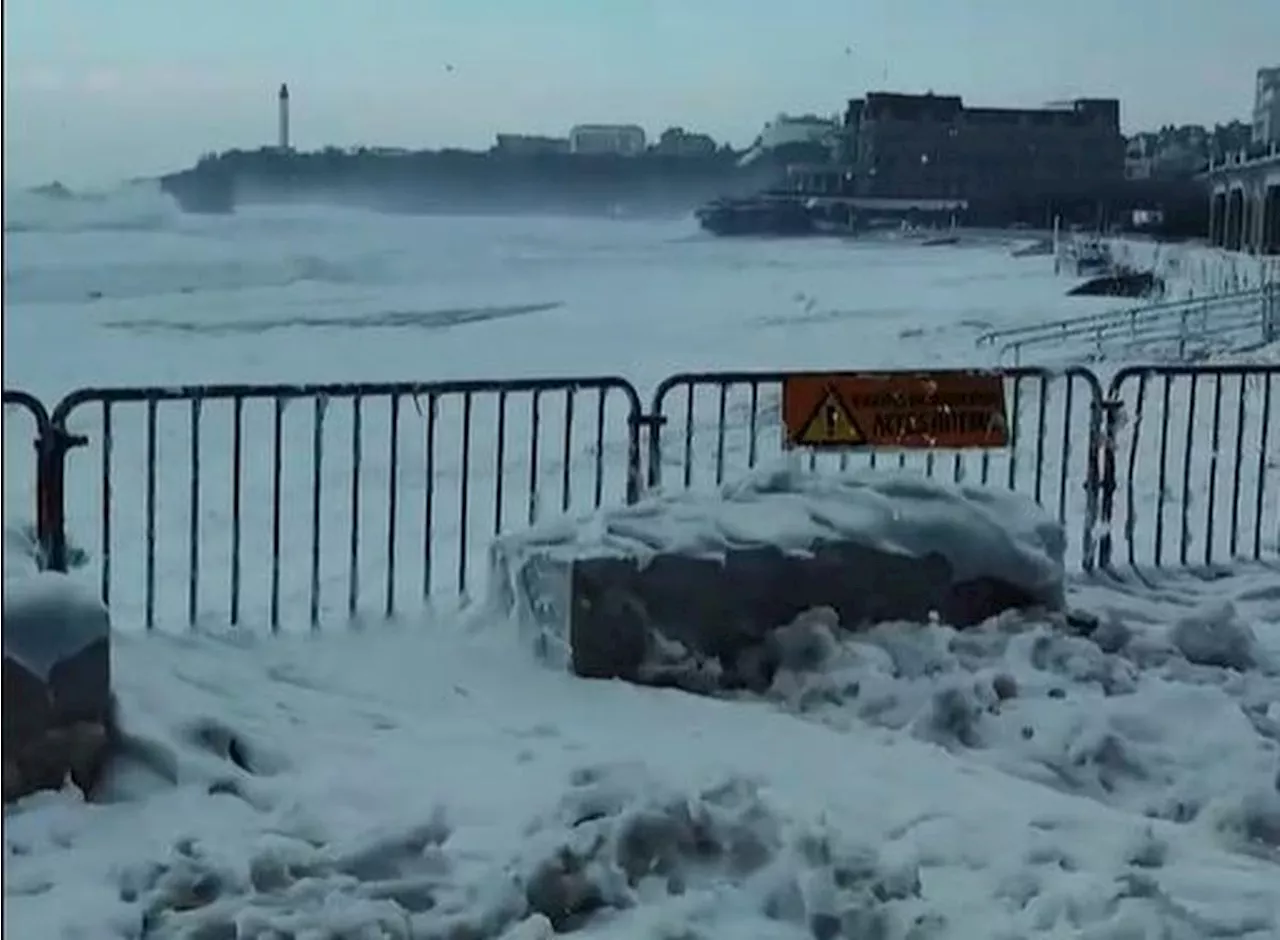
[(1193, 455), (727, 421), (46, 504), (1183, 326), (229, 484), (207, 477)]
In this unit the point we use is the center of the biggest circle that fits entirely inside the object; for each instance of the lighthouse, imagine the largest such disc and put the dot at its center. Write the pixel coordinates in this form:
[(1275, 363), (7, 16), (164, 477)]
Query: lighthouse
[(283, 129)]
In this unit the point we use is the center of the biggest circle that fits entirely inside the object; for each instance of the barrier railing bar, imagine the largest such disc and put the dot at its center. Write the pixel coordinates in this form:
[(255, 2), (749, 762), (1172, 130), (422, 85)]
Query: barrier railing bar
[(105, 520), (1262, 467), (151, 514)]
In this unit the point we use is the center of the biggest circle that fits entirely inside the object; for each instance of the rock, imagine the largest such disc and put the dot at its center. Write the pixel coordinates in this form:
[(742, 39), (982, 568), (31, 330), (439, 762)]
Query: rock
[(562, 893), (58, 715), (663, 587), (536, 927), (1123, 283), (1005, 686), (1215, 636)]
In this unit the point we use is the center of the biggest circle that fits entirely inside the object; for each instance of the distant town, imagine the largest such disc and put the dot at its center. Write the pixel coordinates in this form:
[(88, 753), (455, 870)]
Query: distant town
[(929, 152), (1170, 153)]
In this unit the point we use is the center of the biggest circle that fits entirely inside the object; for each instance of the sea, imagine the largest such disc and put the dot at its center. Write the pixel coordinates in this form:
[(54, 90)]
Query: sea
[(123, 289)]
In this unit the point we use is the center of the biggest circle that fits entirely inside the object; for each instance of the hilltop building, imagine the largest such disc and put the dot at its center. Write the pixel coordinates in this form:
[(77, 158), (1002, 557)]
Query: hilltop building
[(525, 144), (627, 140), (1266, 107), (1181, 153), (935, 147), (601, 139), (677, 142), (806, 134)]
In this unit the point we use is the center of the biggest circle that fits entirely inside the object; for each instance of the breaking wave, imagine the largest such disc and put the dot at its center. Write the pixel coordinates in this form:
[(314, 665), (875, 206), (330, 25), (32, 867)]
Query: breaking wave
[(95, 280), (386, 319), (54, 208)]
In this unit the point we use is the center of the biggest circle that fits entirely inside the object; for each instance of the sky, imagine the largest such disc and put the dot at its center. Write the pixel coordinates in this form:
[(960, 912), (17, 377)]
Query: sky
[(97, 91)]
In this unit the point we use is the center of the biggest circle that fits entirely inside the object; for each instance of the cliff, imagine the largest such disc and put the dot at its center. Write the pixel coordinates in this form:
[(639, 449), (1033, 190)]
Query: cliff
[(468, 181)]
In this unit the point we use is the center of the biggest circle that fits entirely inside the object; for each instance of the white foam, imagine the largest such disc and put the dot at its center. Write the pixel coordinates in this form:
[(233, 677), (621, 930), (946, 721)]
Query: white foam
[(297, 785), (130, 208)]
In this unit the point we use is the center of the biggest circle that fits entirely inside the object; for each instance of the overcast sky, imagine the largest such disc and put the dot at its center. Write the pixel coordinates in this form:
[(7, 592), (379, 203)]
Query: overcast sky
[(100, 90)]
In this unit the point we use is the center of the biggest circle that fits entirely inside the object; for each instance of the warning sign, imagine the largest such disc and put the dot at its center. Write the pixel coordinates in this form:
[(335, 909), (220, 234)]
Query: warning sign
[(944, 410), (830, 425)]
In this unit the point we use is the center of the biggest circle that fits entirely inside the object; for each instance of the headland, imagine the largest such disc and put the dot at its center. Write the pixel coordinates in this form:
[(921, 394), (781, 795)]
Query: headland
[(469, 181)]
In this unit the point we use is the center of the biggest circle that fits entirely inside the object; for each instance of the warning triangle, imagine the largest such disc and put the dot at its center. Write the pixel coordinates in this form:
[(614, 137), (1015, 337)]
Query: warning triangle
[(831, 425)]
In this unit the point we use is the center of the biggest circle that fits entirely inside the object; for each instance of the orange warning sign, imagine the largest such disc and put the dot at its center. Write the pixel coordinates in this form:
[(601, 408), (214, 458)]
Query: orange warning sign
[(830, 425), (944, 410)]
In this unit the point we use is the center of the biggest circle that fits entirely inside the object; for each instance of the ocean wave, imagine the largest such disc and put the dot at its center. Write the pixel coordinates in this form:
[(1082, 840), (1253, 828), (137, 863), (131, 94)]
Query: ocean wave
[(74, 282), (54, 208), (438, 319)]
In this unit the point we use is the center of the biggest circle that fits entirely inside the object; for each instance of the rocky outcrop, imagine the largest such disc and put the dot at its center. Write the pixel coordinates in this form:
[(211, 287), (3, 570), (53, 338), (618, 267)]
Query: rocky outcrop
[(58, 717), (710, 579), (464, 181)]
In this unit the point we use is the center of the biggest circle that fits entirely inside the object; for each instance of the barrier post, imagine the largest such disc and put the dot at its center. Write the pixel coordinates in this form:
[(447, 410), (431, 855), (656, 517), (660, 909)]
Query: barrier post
[(641, 478), (52, 447), (1105, 481)]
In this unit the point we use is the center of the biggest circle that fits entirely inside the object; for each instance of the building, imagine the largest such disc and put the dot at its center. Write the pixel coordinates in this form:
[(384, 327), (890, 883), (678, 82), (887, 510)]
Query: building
[(1182, 152), (525, 144), (626, 140), (1158, 156), (1140, 157), (677, 142), (804, 129), (934, 147), (1266, 107), (282, 120), (808, 133), (1244, 209)]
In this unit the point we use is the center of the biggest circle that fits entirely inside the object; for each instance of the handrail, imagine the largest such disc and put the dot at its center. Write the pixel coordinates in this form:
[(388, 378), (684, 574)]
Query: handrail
[(1185, 319), (1055, 327), (1188, 335), (1258, 153)]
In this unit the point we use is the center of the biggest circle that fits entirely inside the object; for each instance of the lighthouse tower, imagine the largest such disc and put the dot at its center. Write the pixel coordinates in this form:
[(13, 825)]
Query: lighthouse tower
[(283, 142)]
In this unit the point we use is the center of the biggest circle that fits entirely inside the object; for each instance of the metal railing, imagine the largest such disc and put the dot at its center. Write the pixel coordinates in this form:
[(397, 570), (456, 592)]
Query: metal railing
[(1206, 442), (1251, 316), (298, 504), (727, 422), (406, 480)]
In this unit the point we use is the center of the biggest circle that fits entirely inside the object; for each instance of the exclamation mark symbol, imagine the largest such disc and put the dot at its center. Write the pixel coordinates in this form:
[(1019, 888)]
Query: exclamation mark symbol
[(829, 411)]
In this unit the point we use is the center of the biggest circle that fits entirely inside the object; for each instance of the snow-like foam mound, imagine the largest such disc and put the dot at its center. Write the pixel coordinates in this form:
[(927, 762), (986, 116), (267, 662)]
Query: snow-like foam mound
[(1179, 723), (981, 531), (618, 853), (621, 855), (436, 784)]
